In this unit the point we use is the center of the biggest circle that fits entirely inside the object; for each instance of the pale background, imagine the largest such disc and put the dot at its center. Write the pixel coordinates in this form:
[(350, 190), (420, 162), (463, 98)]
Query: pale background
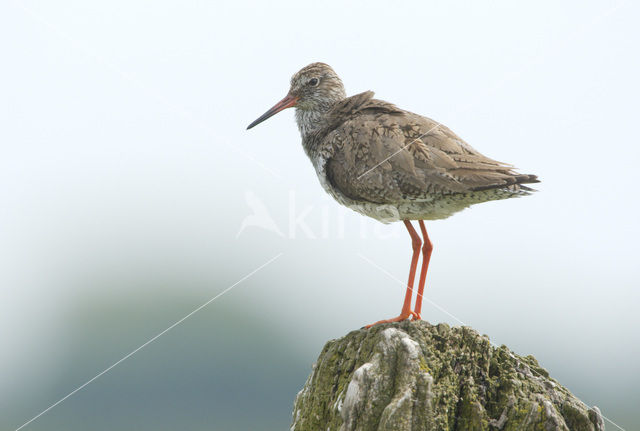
[(125, 169)]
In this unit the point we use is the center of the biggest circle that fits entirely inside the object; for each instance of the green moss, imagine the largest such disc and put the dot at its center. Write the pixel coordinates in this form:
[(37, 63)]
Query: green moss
[(469, 385), (423, 365)]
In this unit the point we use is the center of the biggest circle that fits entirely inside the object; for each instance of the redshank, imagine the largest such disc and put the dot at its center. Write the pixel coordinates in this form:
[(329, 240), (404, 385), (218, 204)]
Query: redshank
[(391, 164)]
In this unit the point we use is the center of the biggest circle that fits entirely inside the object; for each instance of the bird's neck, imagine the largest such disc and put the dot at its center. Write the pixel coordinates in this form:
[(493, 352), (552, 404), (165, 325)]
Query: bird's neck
[(311, 120)]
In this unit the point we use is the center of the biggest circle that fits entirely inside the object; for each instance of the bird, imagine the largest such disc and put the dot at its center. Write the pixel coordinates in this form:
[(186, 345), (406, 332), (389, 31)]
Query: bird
[(390, 164)]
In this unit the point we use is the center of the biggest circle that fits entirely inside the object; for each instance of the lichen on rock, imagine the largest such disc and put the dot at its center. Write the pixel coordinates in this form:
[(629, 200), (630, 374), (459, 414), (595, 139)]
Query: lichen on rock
[(413, 376)]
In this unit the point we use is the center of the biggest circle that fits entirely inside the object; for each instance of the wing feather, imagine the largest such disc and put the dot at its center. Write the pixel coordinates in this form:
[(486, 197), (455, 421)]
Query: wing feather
[(387, 155)]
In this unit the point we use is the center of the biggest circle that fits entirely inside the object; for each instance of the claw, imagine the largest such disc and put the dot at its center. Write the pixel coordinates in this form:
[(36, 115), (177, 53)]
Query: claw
[(395, 319)]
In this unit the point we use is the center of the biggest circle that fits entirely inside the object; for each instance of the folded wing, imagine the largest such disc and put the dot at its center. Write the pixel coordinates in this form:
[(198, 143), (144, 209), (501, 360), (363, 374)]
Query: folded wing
[(385, 155)]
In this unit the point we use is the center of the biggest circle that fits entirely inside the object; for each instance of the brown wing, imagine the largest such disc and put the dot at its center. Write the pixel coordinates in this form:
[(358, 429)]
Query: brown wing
[(386, 155)]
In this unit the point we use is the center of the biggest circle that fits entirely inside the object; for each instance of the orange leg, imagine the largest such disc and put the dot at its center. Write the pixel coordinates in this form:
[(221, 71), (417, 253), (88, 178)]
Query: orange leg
[(406, 312), (426, 256)]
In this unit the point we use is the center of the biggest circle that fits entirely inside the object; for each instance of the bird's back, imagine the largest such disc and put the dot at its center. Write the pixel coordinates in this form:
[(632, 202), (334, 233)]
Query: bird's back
[(375, 153)]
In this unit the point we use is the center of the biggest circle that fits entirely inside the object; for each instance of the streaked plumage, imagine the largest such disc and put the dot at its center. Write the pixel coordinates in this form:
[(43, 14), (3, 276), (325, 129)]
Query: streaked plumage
[(388, 163), (391, 164)]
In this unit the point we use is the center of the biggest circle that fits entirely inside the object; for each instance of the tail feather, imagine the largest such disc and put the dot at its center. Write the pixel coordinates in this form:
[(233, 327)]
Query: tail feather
[(509, 182)]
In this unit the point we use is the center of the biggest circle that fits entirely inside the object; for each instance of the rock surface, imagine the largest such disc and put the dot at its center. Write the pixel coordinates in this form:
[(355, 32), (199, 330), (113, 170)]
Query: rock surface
[(416, 376)]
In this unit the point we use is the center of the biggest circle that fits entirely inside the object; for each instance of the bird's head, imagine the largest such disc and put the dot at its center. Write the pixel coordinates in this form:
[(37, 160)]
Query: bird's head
[(315, 87)]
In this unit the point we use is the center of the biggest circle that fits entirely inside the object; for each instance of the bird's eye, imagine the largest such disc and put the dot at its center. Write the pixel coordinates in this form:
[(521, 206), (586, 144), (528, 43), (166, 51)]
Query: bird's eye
[(314, 82)]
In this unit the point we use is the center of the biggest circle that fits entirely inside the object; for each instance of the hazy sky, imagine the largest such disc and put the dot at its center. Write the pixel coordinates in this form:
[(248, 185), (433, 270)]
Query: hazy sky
[(125, 155)]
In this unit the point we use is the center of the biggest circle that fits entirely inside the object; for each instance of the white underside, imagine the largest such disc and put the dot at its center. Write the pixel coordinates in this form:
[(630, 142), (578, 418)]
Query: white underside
[(439, 207)]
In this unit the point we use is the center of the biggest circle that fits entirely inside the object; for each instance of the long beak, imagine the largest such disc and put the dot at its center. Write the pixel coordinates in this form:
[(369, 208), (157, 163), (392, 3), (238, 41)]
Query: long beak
[(285, 103)]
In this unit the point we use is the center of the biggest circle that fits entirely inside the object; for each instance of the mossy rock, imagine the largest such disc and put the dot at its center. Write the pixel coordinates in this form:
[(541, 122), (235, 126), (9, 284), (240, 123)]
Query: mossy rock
[(413, 376)]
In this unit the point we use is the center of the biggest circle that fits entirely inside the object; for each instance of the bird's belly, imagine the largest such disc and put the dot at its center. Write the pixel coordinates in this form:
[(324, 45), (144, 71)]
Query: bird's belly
[(435, 207), (389, 213), (440, 207)]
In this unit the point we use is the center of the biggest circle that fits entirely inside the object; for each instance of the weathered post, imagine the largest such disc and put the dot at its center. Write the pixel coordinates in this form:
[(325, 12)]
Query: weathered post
[(412, 376)]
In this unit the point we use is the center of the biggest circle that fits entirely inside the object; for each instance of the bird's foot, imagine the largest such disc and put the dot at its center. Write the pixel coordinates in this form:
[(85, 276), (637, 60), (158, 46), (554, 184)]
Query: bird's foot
[(400, 318), (415, 316)]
